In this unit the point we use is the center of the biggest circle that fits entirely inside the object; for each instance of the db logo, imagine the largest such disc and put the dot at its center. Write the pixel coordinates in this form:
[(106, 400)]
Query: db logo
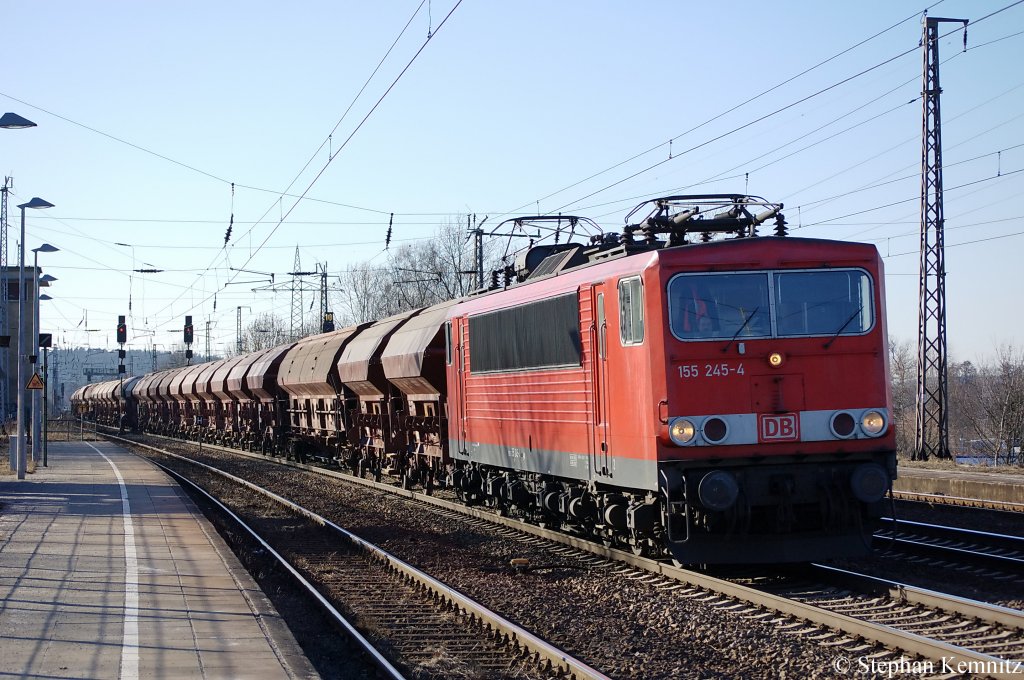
[(784, 428)]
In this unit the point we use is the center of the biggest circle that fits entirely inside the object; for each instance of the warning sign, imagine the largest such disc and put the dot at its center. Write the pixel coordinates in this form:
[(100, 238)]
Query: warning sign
[(34, 383)]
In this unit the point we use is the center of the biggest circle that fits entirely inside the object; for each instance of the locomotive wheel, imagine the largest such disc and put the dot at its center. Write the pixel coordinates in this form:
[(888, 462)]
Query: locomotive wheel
[(498, 505)]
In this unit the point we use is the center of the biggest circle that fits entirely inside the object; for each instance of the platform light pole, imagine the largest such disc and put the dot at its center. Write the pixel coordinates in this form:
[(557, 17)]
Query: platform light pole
[(36, 204), (37, 396), (9, 121)]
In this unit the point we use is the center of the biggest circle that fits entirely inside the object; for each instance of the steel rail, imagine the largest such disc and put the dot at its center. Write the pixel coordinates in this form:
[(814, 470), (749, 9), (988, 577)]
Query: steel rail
[(988, 538), (986, 560), (982, 611), (987, 550), (527, 640)]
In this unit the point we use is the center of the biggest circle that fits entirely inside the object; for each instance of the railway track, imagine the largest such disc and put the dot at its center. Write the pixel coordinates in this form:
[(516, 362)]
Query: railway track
[(988, 550), (849, 612), (408, 623), (844, 609), (375, 662)]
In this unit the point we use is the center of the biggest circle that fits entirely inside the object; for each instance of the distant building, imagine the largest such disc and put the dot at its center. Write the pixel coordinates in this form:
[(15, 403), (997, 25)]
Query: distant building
[(9, 326)]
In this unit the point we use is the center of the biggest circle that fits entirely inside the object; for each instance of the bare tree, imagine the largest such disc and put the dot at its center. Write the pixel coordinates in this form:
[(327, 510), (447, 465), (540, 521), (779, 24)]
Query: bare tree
[(985, 403), (903, 371), (415, 275), (989, 401), (266, 330), (366, 294)]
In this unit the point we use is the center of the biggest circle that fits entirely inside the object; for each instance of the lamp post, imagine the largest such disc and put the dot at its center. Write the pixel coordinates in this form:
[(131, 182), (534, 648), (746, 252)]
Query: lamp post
[(37, 396), (35, 203), (9, 121)]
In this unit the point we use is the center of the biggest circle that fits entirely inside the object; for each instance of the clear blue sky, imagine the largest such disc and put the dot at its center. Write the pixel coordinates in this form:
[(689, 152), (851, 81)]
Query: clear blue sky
[(509, 107)]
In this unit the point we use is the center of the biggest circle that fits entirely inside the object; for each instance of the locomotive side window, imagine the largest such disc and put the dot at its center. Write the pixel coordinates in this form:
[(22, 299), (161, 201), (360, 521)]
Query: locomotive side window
[(544, 334), (722, 306), (833, 302), (448, 343), (631, 311)]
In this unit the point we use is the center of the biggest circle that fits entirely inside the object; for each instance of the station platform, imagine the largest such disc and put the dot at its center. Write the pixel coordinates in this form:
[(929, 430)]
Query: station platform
[(1004, 487), (107, 570)]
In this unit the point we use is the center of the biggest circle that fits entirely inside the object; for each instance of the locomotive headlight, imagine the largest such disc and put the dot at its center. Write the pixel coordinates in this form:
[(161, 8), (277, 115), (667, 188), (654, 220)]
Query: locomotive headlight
[(775, 359), (681, 431), (872, 422)]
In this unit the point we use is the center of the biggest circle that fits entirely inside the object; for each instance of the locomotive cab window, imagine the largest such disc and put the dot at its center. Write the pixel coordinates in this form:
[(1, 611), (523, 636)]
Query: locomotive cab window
[(719, 306), (770, 304), (631, 311), (831, 302)]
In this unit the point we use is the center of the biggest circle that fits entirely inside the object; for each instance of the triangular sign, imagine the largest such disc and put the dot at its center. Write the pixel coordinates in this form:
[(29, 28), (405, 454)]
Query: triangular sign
[(34, 383)]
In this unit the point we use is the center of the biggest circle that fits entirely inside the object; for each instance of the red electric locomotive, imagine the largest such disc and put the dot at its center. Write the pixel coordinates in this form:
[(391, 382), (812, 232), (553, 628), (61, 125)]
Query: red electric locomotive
[(663, 390), (727, 399)]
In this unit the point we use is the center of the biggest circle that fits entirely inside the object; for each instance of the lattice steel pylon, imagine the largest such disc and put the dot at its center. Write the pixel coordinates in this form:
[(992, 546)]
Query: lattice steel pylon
[(295, 329), (932, 395)]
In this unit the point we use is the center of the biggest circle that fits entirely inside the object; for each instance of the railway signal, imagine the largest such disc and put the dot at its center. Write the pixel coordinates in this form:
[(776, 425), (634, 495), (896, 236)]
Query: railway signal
[(188, 340), (122, 337)]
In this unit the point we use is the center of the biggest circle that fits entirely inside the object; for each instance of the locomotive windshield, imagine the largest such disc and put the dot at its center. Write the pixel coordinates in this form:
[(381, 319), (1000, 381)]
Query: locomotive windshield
[(770, 304)]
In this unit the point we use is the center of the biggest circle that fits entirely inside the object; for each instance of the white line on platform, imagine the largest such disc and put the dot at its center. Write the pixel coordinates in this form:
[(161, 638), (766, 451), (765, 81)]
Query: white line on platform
[(130, 643)]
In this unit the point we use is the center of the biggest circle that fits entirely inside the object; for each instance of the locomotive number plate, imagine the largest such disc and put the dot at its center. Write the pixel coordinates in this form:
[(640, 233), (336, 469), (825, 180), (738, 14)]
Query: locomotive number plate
[(716, 370), (778, 428)]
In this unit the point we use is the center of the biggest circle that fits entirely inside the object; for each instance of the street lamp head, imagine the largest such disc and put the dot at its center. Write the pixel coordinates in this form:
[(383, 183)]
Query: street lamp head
[(46, 280), (44, 296), (13, 121), (36, 202), (45, 248)]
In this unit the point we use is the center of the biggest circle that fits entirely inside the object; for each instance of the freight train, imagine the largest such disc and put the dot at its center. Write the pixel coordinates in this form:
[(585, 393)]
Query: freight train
[(685, 388)]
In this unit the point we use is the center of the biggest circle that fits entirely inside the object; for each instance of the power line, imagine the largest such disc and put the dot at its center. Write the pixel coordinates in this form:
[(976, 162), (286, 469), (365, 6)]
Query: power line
[(908, 200), (356, 130), (362, 89), (716, 117), (964, 243), (333, 155), (740, 127)]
